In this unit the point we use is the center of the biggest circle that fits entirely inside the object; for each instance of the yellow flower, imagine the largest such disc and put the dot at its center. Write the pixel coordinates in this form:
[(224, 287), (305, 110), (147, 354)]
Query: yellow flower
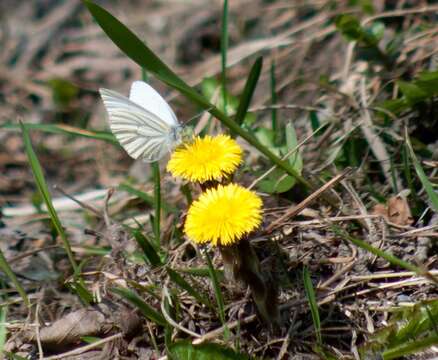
[(223, 215), (204, 159)]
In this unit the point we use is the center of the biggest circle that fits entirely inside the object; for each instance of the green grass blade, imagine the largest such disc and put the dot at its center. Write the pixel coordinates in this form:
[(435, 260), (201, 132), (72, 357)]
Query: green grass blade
[(3, 328), (433, 197), (218, 294), (311, 298), (407, 169), (388, 257), (66, 130), (181, 282), (410, 348), (134, 48), (224, 50), (148, 199), (274, 124), (137, 301), (248, 90), (4, 266), (44, 191), (148, 250), (140, 194)]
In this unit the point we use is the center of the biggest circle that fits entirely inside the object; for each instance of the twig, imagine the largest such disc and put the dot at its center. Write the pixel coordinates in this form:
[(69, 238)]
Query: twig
[(37, 331), (219, 331), (32, 252), (86, 347), (376, 144), (296, 209), (173, 322), (79, 202), (289, 153)]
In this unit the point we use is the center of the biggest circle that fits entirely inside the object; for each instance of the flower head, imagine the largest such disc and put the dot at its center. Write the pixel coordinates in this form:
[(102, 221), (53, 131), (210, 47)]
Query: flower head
[(223, 215), (204, 159)]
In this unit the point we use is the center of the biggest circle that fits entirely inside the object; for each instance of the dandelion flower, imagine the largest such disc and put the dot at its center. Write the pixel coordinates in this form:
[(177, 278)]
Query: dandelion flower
[(223, 215), (205, 159)]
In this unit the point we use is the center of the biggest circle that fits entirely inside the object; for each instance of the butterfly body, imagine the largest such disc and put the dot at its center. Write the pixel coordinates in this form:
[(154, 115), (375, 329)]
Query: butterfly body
[(144, 123)]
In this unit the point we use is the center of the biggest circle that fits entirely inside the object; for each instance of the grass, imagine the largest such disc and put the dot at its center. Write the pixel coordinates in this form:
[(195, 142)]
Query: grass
[(431, 193), (44, 191), (311, 298), (5, 267), (224, 50)]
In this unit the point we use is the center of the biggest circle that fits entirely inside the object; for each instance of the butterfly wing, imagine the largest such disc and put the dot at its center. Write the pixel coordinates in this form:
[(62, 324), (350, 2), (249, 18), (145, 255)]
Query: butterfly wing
[(145, 96), (141, 133)]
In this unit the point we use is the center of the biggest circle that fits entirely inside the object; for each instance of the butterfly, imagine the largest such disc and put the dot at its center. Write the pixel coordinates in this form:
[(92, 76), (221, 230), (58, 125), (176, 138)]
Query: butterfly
[(144, 124)]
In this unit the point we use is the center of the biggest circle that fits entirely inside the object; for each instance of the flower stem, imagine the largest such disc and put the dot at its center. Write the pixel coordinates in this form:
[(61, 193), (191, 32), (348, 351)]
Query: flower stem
[(242, 264)]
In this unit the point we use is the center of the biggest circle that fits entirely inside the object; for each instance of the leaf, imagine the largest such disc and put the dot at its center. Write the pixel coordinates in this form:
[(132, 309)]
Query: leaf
[(4, 266), (311, 298), (350, 26), (224, 50), (276, 182), (181, 282), (295, 159), (428, 82), (66, 129), (213, 90), (397, 210), (184, 350), (377, 30), (63, 91), (410, 330), (314, 121), (373, 250), (273, 85), (137, 301), (218, 293), (395, 106), (266, 137), (149, 251), (412, 92), (248, 91), (148, 199), (44, 191), (411, 347), (433, 196), (3, 328)]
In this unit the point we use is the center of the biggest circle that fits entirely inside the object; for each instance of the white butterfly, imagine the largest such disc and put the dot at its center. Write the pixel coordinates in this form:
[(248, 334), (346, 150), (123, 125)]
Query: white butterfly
[(144, 124)]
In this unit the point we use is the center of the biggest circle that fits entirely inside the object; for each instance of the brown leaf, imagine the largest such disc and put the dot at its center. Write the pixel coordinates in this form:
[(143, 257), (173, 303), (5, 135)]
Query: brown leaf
[(69, 329), (396, 210)]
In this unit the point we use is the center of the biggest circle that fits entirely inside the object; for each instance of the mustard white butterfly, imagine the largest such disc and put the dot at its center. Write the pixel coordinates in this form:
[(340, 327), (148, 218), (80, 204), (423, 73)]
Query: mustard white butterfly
[(144, 124)]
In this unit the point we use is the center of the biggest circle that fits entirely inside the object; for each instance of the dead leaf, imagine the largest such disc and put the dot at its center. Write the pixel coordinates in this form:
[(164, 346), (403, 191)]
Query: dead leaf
[(396, 210), (399, 211), (69, 329)]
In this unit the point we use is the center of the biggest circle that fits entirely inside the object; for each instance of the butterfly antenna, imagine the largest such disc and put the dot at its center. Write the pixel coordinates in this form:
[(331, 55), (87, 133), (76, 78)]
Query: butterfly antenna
[(197, 116)]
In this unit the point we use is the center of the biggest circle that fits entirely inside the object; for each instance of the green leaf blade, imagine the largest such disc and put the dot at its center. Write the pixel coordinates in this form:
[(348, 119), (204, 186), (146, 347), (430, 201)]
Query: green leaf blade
[(311, 298), (44, 191), (248, 91), (137, 301)]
